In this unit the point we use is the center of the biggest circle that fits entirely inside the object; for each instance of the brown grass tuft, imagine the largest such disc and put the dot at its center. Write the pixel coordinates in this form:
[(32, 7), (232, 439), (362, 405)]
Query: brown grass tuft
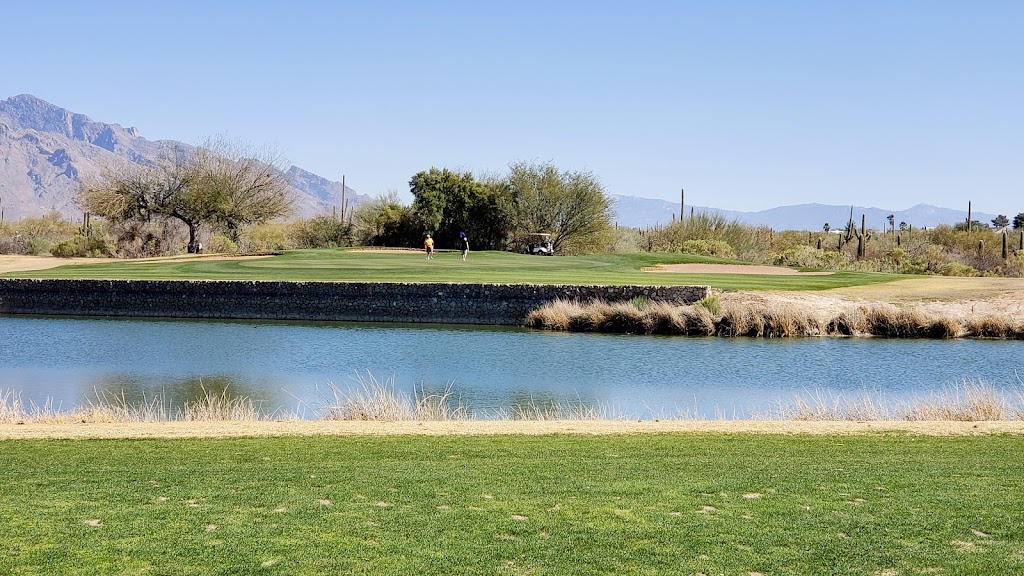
[(991, 327)]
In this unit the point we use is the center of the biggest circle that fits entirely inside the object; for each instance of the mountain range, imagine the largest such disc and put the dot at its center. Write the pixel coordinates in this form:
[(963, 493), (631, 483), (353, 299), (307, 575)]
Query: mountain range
[(646, 212), (48, 151)]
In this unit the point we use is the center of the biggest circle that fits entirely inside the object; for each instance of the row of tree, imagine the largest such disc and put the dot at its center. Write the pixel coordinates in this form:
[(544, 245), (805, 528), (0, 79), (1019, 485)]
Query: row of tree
[(219, 184), (496, 213), (226, 187)]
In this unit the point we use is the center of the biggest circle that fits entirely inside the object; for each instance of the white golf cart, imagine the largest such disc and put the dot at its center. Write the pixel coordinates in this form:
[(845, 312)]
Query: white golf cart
[(540, 244)]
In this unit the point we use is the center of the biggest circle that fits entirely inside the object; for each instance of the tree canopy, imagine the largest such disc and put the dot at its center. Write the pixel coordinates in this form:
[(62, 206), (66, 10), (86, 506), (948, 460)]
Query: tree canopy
[(496, 212), (219, 184)]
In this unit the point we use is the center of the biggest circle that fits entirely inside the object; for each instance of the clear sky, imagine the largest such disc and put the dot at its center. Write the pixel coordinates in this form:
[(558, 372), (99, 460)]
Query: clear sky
[(746, 104)]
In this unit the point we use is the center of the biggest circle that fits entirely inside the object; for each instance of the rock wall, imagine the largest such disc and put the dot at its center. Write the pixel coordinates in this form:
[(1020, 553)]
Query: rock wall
[(506, 304)]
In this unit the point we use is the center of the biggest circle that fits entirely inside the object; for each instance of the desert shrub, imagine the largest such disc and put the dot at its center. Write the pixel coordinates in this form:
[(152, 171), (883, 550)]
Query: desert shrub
[(710, 303), (266, 237), (957, 269), (716, 248), (79, 246), (710, 226), (321, 232), (809, 257), (627, 241), (221, 244)]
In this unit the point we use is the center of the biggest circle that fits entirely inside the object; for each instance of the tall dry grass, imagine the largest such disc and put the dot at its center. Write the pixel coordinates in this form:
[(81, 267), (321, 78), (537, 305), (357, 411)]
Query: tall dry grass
[(759, 321), (107, 407), (377, 400), (968, 401)]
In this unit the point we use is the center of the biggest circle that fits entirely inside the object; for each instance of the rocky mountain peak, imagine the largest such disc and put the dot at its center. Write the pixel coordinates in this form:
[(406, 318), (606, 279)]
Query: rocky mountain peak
[(48, 151)]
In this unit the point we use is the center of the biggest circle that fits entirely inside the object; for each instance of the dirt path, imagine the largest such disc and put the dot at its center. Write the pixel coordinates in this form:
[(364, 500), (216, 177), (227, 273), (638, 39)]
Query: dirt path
[(491, 427)]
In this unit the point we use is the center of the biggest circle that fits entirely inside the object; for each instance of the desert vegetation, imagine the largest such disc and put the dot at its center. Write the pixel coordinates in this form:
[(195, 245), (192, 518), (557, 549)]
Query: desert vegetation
[(368, 398), (943, 250), (709, 317)]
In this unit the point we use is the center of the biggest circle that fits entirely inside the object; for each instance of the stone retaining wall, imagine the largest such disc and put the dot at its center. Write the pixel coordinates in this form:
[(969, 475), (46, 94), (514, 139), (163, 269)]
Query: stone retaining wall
[(353, 301)]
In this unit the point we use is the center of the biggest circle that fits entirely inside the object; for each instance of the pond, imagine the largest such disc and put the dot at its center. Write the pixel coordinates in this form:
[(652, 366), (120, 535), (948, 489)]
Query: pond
[(291, 367)]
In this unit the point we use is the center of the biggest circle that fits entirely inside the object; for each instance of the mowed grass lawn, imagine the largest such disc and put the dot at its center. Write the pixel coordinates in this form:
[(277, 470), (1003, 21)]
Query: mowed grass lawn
[(640, 504), (482, 267)]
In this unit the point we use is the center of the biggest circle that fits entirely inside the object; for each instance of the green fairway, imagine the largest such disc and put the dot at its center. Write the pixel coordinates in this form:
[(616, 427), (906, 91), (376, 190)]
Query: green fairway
[(482, 267), (643, 504)]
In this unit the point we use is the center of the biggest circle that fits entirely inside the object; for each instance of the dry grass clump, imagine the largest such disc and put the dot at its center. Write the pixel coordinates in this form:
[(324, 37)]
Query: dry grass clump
[(991, 327), (557, 315), (850, 322), (533, 409), (820, 406), (759, 320), (970, 401), (377, 400), (214, 407), (621, 317), (624, 318), (943, 327), (893, 322), (108, 407), (13, 410)]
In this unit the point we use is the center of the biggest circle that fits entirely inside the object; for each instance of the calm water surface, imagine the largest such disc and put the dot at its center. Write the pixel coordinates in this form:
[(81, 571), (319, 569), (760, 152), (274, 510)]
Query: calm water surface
[(290, 366)]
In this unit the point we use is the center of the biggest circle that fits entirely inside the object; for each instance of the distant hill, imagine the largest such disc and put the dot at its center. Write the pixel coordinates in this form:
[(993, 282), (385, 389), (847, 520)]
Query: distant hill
[(47, 151), (644, 212)]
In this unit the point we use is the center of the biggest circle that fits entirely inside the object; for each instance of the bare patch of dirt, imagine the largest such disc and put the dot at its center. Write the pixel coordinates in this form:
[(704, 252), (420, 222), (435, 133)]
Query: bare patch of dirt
[(19, 263), (936, 295), (730, 269), (388, 250), (492, 427)]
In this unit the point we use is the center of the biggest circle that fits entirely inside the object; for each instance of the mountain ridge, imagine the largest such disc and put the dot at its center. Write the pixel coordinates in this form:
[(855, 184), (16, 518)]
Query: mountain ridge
[(48, 151), (646, 212)]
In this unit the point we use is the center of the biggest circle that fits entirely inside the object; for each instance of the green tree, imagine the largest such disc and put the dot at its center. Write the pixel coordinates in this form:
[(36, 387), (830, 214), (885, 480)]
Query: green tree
[(215, 185), (975, 225), (385, 221), (247, 185), (571, 206), (448, 202), (1000, 221), (1018, 221)]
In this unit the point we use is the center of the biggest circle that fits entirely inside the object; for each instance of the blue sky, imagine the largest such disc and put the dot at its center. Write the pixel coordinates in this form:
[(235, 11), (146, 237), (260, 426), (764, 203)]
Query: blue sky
[(748, 105)]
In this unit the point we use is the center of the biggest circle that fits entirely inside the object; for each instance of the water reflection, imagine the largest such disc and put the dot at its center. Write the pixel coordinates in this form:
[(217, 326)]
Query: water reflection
[(290, 367)]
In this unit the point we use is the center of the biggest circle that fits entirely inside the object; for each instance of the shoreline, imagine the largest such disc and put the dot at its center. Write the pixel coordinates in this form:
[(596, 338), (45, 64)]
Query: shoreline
[(185, 430)]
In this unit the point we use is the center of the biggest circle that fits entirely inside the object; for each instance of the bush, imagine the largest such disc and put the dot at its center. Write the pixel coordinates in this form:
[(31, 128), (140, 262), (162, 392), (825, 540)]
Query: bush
[(221, 244), (708, 248), (322, 232), (808, 257), (267, 237), (79, 246)]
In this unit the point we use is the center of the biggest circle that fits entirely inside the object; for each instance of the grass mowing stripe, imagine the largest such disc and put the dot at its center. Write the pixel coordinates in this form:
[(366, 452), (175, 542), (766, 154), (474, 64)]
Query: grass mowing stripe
[(483, 267), (544, 505)]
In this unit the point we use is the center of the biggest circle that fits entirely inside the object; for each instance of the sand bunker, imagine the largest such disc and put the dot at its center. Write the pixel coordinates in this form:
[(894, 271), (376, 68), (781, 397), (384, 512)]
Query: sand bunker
[(730, 269), (18, 263)]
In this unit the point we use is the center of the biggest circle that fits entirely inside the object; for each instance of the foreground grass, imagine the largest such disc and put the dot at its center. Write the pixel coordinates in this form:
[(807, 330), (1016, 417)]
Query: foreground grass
[(482, 267), (681, 504)]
